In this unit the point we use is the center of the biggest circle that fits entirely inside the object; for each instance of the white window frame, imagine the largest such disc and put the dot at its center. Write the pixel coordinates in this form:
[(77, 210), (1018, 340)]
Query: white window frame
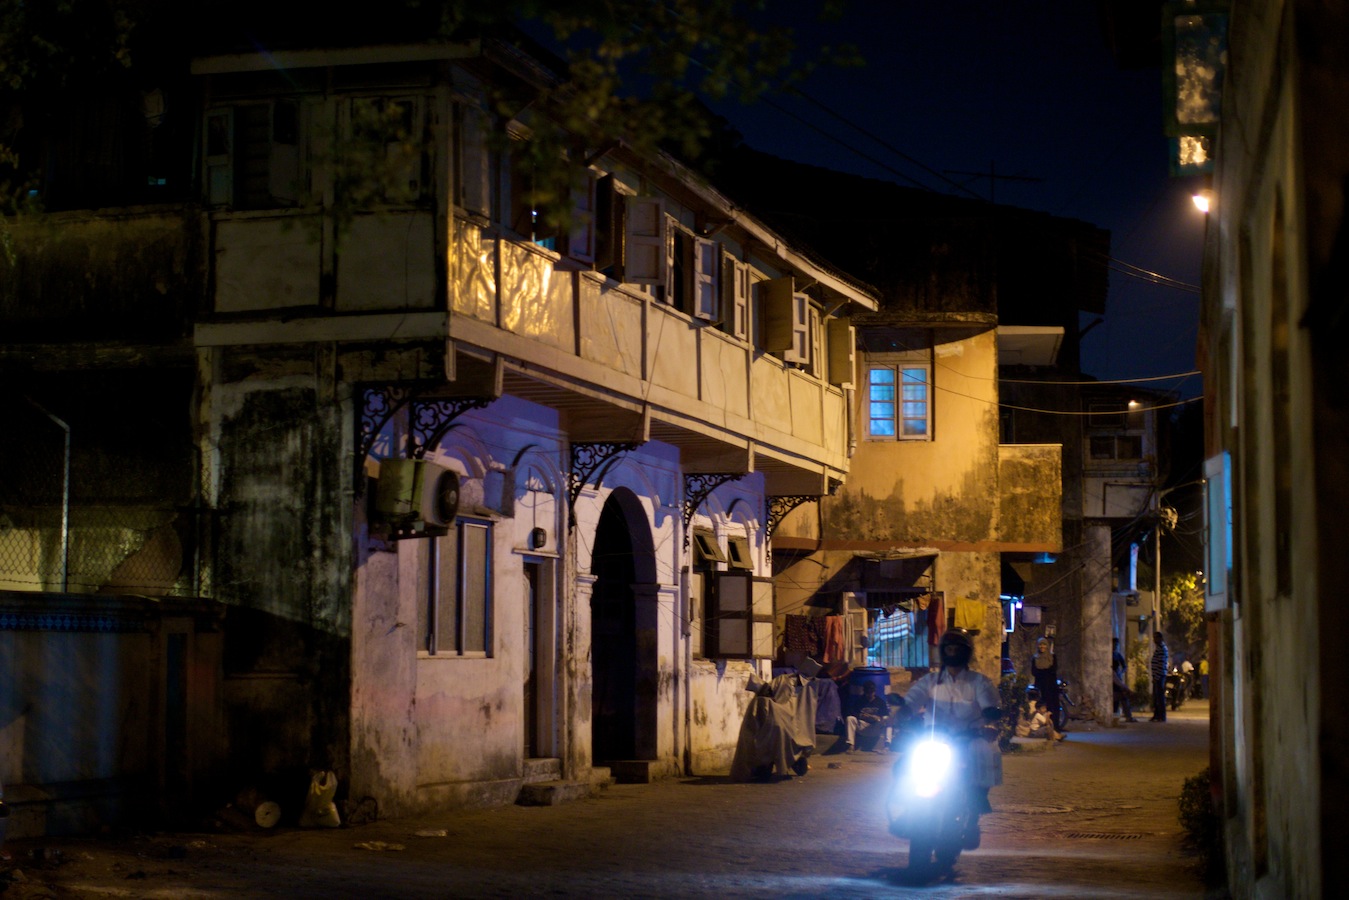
[(736, 289), (644, 245), (898, 417)]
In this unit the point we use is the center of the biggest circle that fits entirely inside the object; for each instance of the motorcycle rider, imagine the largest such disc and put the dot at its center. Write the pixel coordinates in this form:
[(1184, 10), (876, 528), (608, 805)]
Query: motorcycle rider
[(963, 702)]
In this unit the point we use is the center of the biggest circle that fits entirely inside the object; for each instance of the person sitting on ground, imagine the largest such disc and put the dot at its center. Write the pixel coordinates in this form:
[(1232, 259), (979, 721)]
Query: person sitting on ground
[(1040, 724), (869, 729)]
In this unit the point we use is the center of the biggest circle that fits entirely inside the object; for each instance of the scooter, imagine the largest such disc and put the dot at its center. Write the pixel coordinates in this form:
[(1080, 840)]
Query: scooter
[(930, 803)]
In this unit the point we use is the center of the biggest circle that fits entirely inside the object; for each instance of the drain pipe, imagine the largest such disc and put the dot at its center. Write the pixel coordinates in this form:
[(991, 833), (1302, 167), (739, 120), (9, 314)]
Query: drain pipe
[(65, 493)]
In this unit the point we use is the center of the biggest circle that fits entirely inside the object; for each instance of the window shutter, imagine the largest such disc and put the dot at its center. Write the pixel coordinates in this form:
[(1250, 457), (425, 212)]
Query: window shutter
[(283, 164), (744, 615), (644, 251), (670, 294), (608, 226), (581, 238), (475, 180), (705, 300), (842, 352), (786, 320), (220, 157), (735, 290)]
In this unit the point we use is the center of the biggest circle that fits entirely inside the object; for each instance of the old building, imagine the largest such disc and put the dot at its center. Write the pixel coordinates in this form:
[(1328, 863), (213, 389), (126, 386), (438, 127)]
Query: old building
[(1272, 350), (938, 505), (452, 501)]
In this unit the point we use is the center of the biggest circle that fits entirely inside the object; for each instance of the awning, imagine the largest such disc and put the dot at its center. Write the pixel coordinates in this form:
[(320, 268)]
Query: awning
[(895, 572)]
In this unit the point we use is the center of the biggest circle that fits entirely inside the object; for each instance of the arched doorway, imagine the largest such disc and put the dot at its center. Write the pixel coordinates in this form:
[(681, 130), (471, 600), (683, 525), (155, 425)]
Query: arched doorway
[(622, 633)]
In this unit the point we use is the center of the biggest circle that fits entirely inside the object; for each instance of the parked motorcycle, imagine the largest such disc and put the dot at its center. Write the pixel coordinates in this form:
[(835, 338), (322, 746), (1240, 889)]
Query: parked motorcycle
[(1176, 688), (930, 803)]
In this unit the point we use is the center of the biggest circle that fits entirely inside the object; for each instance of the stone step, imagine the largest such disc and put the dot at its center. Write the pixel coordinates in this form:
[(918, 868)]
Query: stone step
[(601, 777), (542, 768), (553, 793)]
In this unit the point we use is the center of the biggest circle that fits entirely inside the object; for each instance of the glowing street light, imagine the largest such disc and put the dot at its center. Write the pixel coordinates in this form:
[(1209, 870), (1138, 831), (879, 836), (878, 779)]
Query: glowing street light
[(1203, 201)]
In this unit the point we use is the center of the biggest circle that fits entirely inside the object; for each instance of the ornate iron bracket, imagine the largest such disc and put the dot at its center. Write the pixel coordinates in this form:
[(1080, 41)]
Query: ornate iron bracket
[(378, 406), (696, 489), (590, 460), (780, 505), (432, 418)]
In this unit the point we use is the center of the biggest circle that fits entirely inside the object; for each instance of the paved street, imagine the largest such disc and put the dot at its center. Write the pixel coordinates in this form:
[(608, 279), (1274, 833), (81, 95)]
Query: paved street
[(1095, 816)]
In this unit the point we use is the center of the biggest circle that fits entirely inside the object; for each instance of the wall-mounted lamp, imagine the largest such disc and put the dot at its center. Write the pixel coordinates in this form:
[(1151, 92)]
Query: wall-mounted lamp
[(1203, 201)]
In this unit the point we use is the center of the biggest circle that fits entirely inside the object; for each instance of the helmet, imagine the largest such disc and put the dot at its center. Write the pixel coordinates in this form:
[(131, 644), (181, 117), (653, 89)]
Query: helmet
[(956, 647)]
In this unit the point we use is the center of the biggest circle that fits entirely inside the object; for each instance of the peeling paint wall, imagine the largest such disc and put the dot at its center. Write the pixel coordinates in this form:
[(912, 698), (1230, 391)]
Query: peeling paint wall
[(276, 440), (1031, 508), (946, 486)]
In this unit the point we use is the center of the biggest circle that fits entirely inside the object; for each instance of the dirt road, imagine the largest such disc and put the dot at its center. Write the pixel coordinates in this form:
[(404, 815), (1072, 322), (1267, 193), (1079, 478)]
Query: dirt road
[(1095, 816)]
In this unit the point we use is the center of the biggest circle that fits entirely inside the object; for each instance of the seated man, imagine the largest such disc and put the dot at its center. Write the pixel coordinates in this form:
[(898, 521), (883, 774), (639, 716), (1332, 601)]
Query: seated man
[(869, 729)]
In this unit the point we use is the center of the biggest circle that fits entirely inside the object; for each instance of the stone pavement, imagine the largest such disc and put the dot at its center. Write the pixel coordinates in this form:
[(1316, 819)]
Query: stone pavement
[(1094, 816)]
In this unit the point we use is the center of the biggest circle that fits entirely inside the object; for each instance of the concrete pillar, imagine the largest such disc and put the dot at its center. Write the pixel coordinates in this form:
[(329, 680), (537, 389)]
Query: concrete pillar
[(1097, 623)]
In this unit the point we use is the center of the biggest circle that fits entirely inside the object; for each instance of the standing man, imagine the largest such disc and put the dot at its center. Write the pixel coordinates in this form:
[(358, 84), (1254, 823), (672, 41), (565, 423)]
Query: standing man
[(1120, 682), (1158, 668)]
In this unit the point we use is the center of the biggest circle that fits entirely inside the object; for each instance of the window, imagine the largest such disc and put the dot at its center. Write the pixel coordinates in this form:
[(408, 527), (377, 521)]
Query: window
[(455, 618), (742, 611), (898, 635), (690, 273), (899, 402), (385, 155), (526, 219), (1116, 446), (735, 297), (253, 155), (472, 162), (738, 553)]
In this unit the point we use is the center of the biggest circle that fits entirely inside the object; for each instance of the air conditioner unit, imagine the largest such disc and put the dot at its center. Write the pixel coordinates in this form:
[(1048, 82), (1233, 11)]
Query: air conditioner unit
[(416, 498)]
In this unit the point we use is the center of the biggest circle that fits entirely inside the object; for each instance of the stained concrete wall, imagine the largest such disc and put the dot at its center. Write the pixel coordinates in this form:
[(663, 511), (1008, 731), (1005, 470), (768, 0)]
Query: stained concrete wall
[(1273, 339)]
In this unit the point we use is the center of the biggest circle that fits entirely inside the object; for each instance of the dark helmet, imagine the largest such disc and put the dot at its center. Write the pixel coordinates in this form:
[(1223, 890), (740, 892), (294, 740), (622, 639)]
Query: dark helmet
[(956, 647)]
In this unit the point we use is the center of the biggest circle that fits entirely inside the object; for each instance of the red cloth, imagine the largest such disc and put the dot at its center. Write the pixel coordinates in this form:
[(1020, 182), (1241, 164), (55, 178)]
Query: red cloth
[(936, 621), (834, 648)]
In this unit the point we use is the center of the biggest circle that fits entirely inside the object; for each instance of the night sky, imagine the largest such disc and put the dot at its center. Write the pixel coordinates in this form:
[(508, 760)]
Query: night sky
[(1031, 89)]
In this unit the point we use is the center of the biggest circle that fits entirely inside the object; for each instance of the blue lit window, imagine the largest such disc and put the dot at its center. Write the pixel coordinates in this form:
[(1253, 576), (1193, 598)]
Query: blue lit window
[(899, 402)]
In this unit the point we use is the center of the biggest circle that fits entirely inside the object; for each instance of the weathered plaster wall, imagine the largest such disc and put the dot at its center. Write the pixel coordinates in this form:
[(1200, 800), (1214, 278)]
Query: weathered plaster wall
[(946, 487), (1030, 495), (279, 442), (428, 731)]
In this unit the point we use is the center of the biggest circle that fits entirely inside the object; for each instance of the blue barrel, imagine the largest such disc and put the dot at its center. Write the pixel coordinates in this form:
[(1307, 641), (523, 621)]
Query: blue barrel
[(877, 675)]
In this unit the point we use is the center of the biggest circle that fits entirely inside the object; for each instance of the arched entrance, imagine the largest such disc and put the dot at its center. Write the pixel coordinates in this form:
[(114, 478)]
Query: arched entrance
[(623, 633)]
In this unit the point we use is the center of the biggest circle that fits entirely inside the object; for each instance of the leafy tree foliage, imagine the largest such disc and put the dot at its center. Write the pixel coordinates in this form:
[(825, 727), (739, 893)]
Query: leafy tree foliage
[(631, 70), (1183, 612)]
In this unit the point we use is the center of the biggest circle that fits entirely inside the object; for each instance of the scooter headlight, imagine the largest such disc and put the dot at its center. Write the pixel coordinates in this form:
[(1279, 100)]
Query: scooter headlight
[(930, 767)]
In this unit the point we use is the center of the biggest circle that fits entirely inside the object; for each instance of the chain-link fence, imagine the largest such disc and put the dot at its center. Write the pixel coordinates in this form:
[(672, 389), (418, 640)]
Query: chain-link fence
[(125, 542)]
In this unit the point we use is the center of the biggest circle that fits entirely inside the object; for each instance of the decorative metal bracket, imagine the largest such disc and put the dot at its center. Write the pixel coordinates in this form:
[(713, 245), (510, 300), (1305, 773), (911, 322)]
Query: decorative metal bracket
[(432, 418), (590, 460), (378, 406), (780, 505), (696, 489)]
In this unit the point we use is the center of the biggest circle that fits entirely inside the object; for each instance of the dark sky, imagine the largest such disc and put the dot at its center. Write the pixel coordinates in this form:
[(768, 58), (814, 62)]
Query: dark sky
[(1029, 87)]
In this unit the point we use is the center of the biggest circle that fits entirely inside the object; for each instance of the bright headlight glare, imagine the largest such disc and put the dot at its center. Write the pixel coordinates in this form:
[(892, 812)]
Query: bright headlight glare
[(930, 766)]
